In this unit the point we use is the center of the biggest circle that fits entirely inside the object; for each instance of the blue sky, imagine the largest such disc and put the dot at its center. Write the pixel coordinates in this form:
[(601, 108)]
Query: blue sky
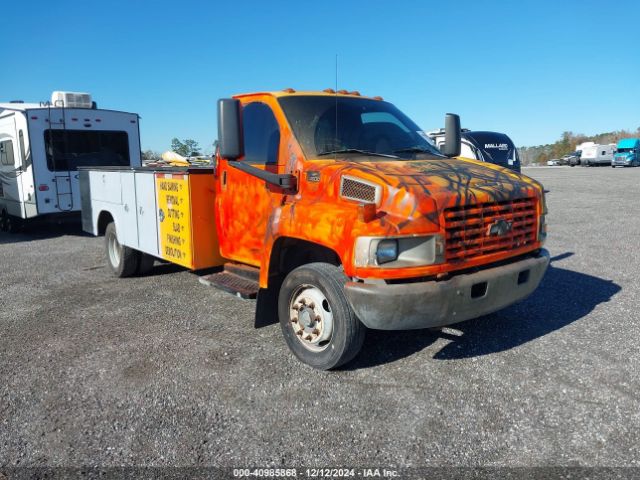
[(531, 69)]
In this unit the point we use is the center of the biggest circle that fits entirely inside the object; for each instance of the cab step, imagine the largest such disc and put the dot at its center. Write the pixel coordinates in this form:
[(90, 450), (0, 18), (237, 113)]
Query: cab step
[(240, 280)]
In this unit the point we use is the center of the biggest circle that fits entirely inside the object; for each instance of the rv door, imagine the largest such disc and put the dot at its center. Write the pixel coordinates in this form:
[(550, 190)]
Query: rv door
[(10, 169)]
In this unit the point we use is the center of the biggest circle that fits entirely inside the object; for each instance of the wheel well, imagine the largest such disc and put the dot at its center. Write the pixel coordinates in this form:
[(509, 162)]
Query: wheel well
[(289, 253), (104, 219)]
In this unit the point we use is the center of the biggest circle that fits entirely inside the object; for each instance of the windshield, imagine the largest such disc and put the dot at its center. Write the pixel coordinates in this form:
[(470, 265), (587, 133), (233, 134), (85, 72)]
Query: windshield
[(332, 125), (624, 150)]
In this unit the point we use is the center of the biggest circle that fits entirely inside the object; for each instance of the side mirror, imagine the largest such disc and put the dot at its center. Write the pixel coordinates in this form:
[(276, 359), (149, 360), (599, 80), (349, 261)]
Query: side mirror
[(230, 129), (452, 137)]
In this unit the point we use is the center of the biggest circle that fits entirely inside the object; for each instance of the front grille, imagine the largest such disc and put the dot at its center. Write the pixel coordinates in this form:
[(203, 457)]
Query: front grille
[(358, 190), (468, 228)]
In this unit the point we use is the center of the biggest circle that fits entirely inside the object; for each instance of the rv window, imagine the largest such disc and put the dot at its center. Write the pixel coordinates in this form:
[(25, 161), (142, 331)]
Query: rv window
[(70, 149), (6, 152)]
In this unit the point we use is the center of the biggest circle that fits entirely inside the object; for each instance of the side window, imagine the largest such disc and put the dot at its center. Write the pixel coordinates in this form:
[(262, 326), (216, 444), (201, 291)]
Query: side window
[(6, 153), (261, 134)]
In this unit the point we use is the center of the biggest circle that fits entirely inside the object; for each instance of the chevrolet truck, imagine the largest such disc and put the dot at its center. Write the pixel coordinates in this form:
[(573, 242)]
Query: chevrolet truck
[(337, 208)]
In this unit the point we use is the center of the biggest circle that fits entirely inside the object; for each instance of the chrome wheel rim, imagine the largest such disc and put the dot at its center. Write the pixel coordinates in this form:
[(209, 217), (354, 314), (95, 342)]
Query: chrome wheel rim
[(311, 318)]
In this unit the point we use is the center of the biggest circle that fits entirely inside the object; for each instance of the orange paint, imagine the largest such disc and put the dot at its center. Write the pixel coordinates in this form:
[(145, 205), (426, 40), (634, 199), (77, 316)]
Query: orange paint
[(416, 196)]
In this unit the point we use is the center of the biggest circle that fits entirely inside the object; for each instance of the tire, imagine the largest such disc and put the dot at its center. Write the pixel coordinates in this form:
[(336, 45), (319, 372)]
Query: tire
[(3, 221), (122, 260), (145, 264), (9, 223), (323, 332)]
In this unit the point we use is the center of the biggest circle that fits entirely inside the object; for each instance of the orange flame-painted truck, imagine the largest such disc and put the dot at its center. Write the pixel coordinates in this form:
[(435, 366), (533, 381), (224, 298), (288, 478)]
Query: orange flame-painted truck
[(339, 209)]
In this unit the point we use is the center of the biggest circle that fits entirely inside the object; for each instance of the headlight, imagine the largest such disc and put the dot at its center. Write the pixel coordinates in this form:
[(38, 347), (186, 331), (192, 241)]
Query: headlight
[(399, 252), (387, 251), (542, 231)]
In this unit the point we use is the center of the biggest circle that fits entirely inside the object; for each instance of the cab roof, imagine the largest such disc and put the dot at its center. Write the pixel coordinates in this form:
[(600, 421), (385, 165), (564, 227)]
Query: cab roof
[(328, 92), (628, 142)]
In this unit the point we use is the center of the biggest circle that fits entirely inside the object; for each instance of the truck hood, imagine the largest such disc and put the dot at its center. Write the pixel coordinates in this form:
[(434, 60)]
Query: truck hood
[(452, 180), (415, 191)]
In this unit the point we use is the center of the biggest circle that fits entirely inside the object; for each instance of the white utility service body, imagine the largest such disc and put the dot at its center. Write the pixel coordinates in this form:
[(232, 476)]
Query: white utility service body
[(42, 145), (166, 213)]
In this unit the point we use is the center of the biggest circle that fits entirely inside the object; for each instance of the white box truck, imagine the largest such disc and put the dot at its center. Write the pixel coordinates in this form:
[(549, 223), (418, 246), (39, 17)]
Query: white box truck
[(43, 144)]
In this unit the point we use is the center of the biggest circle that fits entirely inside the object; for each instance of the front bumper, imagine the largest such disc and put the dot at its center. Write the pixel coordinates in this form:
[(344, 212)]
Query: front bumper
[(436, 303), (622, 162)]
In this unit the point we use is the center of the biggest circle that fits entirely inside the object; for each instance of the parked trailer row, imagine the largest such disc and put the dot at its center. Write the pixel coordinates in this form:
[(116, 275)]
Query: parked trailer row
[(589, 154)]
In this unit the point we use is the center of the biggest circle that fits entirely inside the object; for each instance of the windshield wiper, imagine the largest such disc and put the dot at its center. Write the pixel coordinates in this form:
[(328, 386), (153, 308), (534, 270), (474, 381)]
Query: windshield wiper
[(356, 150)]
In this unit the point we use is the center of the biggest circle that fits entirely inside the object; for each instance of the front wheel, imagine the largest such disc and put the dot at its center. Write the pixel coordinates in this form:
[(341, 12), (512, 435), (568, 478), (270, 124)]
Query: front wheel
[(124, 261), (317, 321)]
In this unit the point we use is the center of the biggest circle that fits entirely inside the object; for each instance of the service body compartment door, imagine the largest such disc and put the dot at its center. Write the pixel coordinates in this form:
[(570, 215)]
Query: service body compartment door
[(146, 212), (126, 222), (174, 222), (186, 223), (106, 186)]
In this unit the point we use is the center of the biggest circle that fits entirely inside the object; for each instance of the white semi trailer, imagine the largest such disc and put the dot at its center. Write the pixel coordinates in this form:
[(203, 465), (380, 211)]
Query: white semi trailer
[(43, 144)]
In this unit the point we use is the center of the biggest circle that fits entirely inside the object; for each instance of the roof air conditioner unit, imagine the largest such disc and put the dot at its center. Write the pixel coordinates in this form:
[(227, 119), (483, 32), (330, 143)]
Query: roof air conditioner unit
[(71, 99)]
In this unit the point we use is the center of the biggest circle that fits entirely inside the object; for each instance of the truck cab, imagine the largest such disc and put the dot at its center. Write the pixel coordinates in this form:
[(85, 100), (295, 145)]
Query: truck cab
[(343, 214), (627, 153), (353, 186)]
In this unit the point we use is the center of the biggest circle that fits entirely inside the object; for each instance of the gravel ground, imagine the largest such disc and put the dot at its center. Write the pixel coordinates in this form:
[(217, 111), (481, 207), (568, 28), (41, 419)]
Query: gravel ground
[(162, 370)]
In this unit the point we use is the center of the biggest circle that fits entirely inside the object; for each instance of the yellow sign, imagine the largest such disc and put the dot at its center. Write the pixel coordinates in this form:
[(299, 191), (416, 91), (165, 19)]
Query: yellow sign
[(174, 219)]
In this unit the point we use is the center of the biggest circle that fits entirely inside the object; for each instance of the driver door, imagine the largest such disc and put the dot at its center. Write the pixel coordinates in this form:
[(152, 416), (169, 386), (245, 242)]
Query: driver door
[(245, 203)]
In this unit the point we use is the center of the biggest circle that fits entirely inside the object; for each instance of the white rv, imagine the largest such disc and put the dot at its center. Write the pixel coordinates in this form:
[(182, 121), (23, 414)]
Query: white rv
[(492, 147), (43, 144), (594, 155)]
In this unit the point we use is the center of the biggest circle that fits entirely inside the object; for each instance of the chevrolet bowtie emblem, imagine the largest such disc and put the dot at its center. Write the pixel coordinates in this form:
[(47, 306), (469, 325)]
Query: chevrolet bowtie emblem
[(498, 228)]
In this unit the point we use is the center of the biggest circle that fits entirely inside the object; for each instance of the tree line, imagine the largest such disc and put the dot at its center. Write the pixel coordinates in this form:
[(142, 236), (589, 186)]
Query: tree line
[(186, 148), (568, 143)]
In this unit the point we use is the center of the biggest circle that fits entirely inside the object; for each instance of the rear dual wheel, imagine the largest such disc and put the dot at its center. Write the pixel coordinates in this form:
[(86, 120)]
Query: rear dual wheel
[(125, 261), (317, 321)]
